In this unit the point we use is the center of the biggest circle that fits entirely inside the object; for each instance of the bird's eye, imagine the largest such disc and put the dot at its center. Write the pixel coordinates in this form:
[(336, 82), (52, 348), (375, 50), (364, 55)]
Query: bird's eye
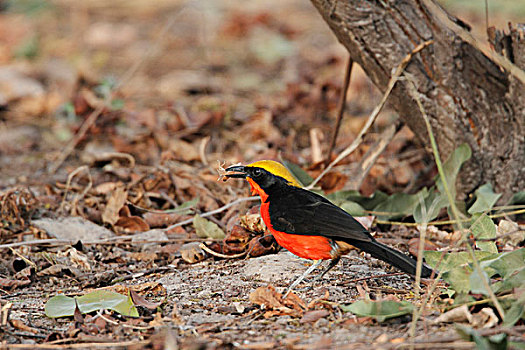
[(257, 172)]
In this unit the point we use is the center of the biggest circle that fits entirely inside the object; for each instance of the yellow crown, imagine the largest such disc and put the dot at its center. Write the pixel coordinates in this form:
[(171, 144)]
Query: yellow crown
[(276, 168)]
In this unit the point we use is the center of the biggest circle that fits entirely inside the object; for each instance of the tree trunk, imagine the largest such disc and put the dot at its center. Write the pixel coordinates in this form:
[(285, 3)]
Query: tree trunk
[(467, 97)]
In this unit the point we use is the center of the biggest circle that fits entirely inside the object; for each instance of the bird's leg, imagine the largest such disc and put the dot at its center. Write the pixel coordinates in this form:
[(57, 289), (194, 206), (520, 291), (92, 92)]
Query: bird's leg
[(306, 273), (333, 262)]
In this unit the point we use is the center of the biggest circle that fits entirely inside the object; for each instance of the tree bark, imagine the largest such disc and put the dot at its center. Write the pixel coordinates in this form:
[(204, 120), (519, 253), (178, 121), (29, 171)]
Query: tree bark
[(467, 97)]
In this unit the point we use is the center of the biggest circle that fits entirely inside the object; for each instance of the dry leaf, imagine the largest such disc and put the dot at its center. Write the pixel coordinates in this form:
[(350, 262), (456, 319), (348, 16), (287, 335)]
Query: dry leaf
[(259, 246), (139, 300), (413, 246), (130, 224), (115, 203), (269, 299), (253, 222), (314, 315), (192, 253), (78, 259), (459, 314), (161, 219), (486, 318)]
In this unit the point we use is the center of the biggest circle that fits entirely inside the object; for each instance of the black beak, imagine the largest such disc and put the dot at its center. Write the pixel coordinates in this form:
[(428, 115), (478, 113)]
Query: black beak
[(236, 171)]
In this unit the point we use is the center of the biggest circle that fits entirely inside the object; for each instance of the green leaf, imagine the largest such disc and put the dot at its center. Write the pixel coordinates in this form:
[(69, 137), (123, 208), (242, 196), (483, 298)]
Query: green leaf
[(516, 280), (483, 227), (105, 299), (518, 198), (476, 282), (429, 205), (186, 207), (451, 168), (505, 264), (368, 203), (61, 305), (456, 267), (397, 206), (353, 208), (298, 172), (495, 342), (485, 199), (380, 310), (453, 260), (459, 279), (514, 314), (207, 229), (117, 104)]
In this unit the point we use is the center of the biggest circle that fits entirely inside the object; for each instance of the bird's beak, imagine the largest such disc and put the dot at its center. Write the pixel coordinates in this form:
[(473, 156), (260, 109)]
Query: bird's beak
[(236, 171)]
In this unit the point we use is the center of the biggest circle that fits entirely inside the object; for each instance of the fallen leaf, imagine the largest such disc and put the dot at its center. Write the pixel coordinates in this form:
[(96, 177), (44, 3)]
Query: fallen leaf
[(73, 229), (161, 219), (253, 223), (381, 310), (13, 283), (131, 224), (238, 234), (269, 299), (259, 246), (207, 229), (53, 270), (413, 246), (313, 315), (139, 300), (486, 318), (510, 234), (333, 181), (115, 202), (459, 314), (192, 253), (78, 259), (381, 339), (61, 305)]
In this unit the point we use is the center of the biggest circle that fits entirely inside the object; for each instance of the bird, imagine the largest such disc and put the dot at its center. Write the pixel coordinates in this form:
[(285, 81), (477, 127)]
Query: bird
[(309, 225)]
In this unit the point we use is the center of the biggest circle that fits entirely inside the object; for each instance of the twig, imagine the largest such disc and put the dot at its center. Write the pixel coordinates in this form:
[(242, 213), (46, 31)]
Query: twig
[(219, 255), (487, 16), (167, 211), (340, 107), (213, 212), (419, 266), (391, 83), (88, 123), (68, 185), (27, 261), (365, 164)]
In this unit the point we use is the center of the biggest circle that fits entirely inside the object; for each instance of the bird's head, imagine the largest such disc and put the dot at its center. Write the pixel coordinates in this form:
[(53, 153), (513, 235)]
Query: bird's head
[(262, 175)]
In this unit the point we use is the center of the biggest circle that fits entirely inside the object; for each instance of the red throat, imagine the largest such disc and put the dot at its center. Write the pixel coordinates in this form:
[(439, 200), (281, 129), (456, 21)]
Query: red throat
[(256, 189)]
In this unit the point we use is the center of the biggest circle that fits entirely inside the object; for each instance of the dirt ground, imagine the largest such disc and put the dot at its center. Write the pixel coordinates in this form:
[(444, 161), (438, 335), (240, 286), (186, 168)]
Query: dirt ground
[(114, 118)]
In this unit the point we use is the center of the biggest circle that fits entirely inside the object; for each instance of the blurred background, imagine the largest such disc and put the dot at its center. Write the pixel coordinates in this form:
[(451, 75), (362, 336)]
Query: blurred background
[(188, 81)]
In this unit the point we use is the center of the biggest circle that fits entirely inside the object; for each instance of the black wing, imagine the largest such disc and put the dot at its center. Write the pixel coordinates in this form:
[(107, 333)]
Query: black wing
[(298, 211)]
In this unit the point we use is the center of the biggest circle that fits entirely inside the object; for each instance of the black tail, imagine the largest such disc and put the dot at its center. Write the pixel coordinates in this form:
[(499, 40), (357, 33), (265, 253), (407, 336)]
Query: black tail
[(392, 256)]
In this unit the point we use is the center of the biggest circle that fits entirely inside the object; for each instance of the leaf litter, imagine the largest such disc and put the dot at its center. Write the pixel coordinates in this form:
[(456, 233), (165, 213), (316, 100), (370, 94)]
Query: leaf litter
[(87, 231)]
